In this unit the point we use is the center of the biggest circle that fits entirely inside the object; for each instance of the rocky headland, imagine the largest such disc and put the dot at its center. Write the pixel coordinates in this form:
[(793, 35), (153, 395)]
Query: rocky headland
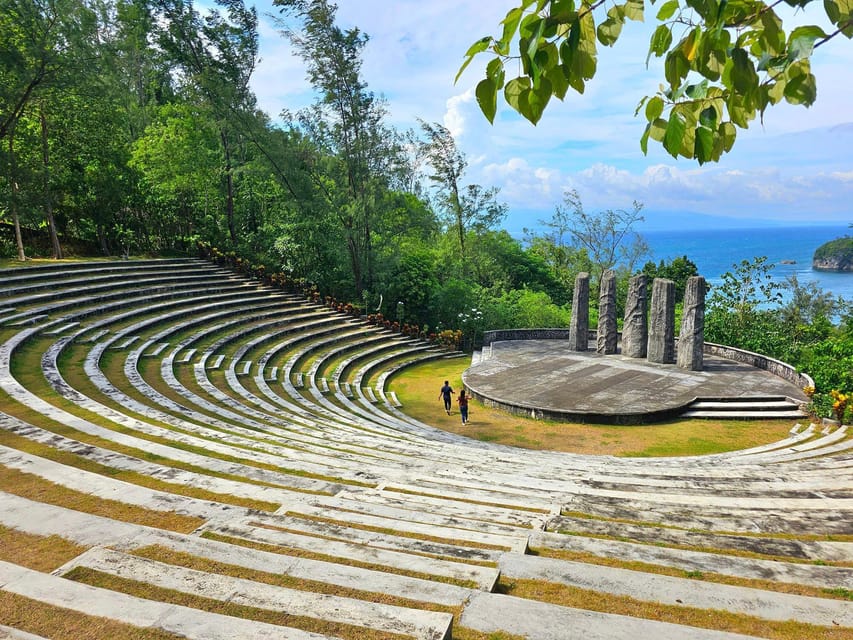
[(835, 255)]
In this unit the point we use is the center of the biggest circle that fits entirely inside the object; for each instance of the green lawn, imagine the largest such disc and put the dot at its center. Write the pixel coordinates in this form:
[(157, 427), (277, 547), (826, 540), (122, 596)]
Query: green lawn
[(418, 386)]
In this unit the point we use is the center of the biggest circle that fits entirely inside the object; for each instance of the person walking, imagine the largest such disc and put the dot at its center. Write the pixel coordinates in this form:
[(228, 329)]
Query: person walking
[(446, 393), (462, 400)]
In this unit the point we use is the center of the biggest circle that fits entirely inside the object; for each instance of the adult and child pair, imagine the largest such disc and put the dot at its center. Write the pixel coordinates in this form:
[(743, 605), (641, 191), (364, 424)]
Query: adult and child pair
[(446, 394)]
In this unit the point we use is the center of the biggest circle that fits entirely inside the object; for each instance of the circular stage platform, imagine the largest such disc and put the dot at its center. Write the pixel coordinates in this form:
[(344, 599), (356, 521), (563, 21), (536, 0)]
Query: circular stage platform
[(543, 379)]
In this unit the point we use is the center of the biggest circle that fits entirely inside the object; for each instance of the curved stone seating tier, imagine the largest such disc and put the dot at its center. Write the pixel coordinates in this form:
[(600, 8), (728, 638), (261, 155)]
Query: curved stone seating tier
[(349, 479)]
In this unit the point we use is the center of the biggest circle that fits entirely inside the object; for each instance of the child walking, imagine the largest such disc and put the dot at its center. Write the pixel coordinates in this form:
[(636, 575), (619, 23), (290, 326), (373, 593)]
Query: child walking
[(462, 400)]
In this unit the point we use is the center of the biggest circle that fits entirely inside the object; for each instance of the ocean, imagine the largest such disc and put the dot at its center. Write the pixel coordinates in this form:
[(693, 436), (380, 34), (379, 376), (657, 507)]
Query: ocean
[(788, 249)]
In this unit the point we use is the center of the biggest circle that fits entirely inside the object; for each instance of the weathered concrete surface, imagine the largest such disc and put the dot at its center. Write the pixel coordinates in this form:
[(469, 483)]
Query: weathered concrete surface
[(424, 625), (662, 322), (542, 374), (668, 590), (579, 328), (534, 620), (8, 633), (635, 327), (183, 621), (691, 340), (607, 338)]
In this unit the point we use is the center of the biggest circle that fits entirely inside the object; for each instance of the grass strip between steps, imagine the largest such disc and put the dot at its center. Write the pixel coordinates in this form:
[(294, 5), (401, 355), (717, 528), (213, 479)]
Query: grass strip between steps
[(719, 578), (33, 487), (568, 596), (301, 553), (212, 605), (51, 621), (40, 553)]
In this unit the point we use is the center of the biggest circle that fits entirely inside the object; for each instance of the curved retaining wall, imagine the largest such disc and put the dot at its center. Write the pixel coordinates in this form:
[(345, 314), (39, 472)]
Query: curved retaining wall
[(776, 367)]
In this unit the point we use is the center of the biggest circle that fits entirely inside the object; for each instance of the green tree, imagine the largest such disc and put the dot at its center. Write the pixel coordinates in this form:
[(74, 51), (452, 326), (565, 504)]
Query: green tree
[(465, 207), (678, 270), (725, 62), (607, 236), (346, 124), (216, 55), (742, 310)]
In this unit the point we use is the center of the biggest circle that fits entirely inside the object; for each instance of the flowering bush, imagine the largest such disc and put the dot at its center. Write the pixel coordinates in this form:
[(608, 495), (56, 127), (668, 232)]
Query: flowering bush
[(839, 405)]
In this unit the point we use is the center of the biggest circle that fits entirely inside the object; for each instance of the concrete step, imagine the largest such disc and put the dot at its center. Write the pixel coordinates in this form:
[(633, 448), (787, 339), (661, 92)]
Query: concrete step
[(493, 613), (687, 592), (423, 625), (182, 621), (484, 577)]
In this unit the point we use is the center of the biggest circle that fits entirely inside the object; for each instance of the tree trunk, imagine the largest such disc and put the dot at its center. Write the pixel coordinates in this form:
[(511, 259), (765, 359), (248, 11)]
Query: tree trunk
[(13, 200), (48, 200), (229, 189)]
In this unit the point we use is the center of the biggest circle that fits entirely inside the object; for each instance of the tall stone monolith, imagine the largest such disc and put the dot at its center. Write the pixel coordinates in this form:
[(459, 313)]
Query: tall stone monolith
[(635, 327), (607, 330), (661, 347), (579, 327), (691, 340)]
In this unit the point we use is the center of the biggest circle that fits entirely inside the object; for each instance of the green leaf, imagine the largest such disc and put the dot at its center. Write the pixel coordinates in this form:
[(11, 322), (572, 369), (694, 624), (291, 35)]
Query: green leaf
[(510, 23), (703, 145), (667, 10), (654, 107), (658, 129), (644, 140), (608, 31), (495, 71), (559, 83), (660, 42), (478, 47), (744, 77), (801, 90), (563, 10), (697, 91), (634, 10), (676, 68), (801, 41), (708, 118), (487, 98), (513, 90), (534, 101), (832, 11), (727, 134), (673, 139), (772, 39)]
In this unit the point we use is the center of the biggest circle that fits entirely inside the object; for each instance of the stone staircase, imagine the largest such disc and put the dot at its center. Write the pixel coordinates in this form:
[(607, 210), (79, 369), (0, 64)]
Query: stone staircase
[(745, 408), (226, 502)]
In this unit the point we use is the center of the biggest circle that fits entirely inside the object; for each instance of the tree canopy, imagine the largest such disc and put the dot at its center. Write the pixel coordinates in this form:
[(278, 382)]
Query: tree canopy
[(725, 62)]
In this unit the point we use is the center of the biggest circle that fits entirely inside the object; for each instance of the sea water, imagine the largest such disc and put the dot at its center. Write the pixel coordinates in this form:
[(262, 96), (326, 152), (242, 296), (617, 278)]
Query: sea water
[(788, 249)]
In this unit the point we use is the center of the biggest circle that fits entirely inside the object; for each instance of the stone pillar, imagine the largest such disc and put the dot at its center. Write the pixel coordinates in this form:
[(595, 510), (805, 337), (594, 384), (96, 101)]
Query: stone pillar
[(635, 328), (691, 340), (579, 328), (607, 330), (662, 322)]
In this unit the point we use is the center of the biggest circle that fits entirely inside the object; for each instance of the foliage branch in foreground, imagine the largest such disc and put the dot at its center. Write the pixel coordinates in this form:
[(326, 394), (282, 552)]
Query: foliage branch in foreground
[(725, 62)]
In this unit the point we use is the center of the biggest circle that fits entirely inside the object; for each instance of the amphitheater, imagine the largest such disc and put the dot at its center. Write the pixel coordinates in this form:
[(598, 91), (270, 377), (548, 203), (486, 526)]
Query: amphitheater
[(187, 453)]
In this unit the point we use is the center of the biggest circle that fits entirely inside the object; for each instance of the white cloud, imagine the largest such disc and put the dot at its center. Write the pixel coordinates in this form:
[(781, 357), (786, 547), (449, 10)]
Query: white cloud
[(454, 118), (794, 167)]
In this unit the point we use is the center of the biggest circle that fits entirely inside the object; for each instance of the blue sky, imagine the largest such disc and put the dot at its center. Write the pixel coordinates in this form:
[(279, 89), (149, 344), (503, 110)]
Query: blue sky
[(795, 168)]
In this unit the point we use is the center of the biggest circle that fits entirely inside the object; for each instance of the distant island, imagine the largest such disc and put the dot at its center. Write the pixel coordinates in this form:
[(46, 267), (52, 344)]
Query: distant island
[(835, 255)]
